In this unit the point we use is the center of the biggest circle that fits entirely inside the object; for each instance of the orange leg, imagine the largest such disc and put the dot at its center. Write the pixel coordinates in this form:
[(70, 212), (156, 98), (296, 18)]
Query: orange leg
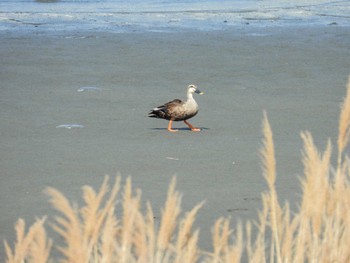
[(191, 127), (169, 127)]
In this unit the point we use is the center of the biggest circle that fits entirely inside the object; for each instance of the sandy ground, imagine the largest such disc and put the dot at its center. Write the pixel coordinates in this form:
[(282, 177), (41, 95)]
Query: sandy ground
[(297, 75)]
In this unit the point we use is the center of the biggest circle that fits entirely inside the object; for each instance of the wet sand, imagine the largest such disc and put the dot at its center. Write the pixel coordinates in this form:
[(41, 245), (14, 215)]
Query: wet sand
[(298, 75)]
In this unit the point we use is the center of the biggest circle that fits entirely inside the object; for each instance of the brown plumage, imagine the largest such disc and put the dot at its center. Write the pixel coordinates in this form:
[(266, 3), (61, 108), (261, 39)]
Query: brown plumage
[(178, 110)]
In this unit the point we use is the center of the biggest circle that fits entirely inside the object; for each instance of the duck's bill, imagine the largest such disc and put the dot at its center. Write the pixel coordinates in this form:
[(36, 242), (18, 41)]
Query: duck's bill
[(199, 92)]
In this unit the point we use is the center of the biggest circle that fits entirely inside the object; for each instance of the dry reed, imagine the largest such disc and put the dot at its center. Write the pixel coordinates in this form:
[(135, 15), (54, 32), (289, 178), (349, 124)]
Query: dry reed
[(318, 232)]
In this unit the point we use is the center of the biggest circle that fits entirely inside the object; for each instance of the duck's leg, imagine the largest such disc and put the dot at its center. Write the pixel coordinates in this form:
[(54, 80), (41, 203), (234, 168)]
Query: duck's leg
[(169, 127), (191, 127)]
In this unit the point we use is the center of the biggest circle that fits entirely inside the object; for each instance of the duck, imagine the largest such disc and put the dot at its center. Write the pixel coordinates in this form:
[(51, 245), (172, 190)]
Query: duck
[(178, 110)]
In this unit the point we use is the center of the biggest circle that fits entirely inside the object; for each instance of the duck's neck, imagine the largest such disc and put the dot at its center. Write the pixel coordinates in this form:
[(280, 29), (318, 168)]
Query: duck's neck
[(189, 96)]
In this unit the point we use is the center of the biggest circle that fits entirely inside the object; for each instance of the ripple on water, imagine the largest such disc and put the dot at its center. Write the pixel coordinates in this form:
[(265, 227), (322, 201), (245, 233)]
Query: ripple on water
[(83, 89), (70, 126)]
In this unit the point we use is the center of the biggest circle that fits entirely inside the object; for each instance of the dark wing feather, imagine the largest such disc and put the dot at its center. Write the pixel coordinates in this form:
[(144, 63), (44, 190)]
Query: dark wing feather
[(166, 111)]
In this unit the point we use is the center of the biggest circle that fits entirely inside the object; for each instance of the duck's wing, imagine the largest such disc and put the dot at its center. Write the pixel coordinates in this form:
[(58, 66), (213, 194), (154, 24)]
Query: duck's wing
[(172, 103), (167, 111)]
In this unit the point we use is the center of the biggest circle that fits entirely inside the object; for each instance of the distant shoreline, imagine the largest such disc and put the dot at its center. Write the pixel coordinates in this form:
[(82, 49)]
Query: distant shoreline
[(256, 31), (146, 16)]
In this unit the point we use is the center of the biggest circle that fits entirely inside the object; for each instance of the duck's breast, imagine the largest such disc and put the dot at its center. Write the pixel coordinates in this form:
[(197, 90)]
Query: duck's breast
[(186, 111)]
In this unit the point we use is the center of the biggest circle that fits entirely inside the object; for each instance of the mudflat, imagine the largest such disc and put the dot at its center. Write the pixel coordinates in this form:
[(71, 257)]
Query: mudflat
[(74, 107)]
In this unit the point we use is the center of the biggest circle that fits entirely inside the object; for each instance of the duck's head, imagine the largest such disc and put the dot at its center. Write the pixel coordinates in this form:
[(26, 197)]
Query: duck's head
[(193, 89)]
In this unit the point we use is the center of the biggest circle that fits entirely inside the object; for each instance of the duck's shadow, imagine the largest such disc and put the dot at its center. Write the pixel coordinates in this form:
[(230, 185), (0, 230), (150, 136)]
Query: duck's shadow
[(180, 129)]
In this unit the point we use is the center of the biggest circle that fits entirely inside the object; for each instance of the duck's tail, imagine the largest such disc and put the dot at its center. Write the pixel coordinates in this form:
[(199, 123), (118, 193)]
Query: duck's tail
[(157, 113)]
